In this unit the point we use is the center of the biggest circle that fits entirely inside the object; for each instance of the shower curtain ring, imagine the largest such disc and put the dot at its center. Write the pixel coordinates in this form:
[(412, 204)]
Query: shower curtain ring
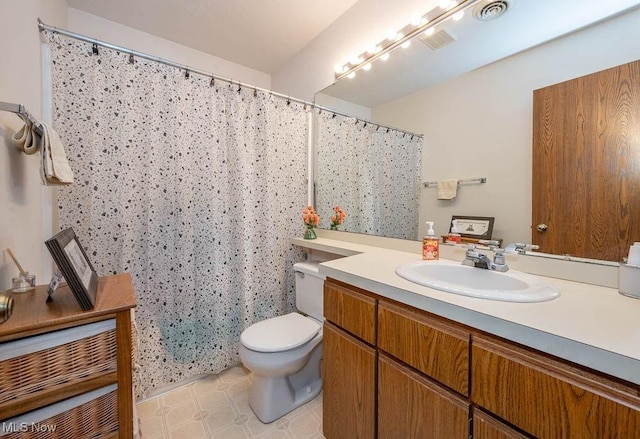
[(131, 60), (94, 49), (186, 74)]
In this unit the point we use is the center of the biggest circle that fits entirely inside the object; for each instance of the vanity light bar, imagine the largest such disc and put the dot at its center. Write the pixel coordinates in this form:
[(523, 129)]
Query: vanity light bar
[(408, 33)]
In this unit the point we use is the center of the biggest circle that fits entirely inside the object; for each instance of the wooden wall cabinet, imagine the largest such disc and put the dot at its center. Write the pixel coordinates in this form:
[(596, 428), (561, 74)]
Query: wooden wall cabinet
[(423, 376), (68, 369)]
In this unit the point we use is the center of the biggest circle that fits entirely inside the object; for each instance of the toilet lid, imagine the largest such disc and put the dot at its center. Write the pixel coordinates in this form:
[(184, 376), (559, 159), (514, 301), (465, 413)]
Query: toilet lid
[(280, 333)]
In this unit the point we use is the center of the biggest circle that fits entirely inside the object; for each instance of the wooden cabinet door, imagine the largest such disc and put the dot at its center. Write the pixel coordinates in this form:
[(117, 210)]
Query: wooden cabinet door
[(349, 386), (487, 427), (586, 164), (412, 406), (352, 310), (550, 399), (430, 344)]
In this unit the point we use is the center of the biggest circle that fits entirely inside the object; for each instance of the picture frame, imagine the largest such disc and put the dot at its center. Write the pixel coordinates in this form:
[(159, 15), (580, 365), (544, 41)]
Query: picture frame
[(75, 266), (477, 227)]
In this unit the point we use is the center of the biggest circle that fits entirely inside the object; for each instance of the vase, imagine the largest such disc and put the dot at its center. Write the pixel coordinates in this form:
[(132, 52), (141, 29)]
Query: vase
[(310, 233), (334, 227)]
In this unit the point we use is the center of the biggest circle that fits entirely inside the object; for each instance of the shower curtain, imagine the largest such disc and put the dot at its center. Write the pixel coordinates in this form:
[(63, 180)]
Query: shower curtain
[(193, 187), (372, 172)]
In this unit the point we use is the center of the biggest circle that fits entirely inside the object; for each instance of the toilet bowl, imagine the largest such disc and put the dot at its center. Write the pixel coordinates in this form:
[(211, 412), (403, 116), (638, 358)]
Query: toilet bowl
[(284, 352)]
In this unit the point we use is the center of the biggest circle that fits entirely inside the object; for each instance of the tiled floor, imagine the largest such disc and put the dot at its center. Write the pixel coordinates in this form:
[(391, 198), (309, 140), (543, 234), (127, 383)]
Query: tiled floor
[(218, 407)]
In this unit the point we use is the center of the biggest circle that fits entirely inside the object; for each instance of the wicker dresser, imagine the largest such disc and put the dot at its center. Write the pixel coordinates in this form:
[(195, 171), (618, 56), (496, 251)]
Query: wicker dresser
[(65, 372)]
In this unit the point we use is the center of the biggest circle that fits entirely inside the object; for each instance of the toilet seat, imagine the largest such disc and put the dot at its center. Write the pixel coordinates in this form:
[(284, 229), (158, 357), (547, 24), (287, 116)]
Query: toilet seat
[(280, 333)]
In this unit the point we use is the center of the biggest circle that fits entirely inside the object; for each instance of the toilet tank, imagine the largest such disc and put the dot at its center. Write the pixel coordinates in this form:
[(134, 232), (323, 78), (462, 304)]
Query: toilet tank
[(309, 285)]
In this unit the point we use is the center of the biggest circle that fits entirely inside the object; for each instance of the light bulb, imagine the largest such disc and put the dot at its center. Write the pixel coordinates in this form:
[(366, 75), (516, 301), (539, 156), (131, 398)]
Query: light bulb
[(384, 56), (415, 20), (448, 4), (372, 50), (423, 21), (429, 31), (399, 36), (405, 44), (355, 60), (367, 66), (391, 35), (339, 68), (458, 15), (351, 75)]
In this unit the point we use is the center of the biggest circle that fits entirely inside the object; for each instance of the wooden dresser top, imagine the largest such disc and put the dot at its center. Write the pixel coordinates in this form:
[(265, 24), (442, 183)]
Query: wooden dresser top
[(32, 315)]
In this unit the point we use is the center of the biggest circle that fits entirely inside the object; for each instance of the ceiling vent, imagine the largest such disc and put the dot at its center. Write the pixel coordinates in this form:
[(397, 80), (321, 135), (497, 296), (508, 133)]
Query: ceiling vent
[(488, 10), (438, 39)]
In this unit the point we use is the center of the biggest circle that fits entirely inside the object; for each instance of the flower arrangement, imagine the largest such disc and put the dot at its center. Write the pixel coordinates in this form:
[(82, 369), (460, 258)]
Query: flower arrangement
[(311, 220), (337, 218)]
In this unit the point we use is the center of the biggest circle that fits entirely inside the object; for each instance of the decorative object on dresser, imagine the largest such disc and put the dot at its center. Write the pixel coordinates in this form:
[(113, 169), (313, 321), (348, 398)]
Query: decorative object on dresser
[(65, 372), (75, 266)]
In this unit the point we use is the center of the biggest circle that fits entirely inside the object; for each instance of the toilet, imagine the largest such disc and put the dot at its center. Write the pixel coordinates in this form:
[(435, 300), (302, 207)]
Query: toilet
[(284, 352)]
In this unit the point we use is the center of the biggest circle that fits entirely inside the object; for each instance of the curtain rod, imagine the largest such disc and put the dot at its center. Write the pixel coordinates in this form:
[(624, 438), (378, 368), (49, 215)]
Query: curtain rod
[(42, 26)]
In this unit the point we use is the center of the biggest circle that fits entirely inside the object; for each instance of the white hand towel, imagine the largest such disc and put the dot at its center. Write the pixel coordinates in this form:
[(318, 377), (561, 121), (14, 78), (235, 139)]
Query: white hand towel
[(55, 167), (447, 189), (27, 138)]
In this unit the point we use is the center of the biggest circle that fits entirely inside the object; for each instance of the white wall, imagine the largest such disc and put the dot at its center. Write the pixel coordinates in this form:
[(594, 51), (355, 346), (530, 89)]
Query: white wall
[(111, 32), (24, 223), (480, 124)]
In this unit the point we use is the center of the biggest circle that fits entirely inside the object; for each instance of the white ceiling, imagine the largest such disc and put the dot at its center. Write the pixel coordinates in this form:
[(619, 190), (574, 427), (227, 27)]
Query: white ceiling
[(260, 34)]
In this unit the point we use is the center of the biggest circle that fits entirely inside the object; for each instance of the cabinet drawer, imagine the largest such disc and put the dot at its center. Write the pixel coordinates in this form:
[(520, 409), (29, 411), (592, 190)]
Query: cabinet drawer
[(487, 427), (351, 310), (40, 369), (90, 415), (434, 347), (412, 406), (549, 398)]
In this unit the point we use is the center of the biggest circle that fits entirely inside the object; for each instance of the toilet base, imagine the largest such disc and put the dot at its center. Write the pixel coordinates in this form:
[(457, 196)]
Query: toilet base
[(273, 397)]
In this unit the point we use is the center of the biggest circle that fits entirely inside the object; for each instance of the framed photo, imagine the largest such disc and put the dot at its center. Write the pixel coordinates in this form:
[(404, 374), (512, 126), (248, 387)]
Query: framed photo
[(479, 227), (73, 263)]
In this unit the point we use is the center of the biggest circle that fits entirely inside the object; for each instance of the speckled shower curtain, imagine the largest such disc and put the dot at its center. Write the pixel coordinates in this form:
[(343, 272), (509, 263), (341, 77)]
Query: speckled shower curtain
[(194, 188), (375, 176)]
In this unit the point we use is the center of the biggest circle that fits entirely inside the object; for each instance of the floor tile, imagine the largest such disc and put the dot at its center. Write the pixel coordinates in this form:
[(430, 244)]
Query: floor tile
[(217, 406)]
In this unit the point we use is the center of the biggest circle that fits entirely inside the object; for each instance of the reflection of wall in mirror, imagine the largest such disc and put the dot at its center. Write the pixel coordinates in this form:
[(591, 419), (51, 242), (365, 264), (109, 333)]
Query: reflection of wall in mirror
[(483, 121)]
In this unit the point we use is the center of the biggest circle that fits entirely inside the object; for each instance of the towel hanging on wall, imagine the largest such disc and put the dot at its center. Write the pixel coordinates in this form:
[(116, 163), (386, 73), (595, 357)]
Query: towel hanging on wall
[(55, 167), (447, 189)]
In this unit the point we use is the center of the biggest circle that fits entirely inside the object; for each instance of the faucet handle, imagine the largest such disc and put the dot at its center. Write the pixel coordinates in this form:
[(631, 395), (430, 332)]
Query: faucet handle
[(521, 248), (491, 243)]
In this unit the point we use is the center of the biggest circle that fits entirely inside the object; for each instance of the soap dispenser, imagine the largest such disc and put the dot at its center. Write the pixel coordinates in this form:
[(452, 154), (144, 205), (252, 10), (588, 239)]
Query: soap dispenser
[(430, 244), (454, 237)]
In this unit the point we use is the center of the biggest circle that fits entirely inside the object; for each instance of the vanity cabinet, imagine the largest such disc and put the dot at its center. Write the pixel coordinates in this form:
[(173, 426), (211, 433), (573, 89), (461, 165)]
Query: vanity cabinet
[(413, 406), (67, 372), (418, 375), (486, 426), (349, 363), (550, 398)]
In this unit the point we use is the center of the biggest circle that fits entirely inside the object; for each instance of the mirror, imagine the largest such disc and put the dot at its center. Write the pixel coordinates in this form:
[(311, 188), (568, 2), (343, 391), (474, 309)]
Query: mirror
[(472, 99)]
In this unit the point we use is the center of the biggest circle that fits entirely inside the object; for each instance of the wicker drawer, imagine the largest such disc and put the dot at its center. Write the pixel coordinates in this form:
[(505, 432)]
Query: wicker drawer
[(429, 344), (91, 415), (550, 398), (41, 364), (351, 310)]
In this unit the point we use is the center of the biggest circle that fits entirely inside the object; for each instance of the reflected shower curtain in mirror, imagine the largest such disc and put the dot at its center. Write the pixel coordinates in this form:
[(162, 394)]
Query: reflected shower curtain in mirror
[(194, 188), (372, 173)]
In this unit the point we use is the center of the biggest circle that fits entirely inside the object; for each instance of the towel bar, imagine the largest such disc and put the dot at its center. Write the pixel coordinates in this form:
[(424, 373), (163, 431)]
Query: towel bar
[(20, 110), (478, 180)]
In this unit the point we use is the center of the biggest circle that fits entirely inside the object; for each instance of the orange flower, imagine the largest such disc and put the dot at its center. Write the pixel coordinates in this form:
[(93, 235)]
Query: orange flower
[(310, 217), (338, 218)]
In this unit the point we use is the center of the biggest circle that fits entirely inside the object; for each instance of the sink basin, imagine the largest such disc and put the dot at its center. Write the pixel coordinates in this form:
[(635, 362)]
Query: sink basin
[(512, 286)]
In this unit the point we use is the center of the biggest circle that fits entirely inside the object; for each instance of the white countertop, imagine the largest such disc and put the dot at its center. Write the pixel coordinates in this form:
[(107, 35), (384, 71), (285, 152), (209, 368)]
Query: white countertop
[(588, 324)]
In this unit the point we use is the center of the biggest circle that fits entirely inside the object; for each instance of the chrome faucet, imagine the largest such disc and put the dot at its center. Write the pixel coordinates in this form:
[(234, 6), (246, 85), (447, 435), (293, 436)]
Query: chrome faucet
[(473, 258)]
